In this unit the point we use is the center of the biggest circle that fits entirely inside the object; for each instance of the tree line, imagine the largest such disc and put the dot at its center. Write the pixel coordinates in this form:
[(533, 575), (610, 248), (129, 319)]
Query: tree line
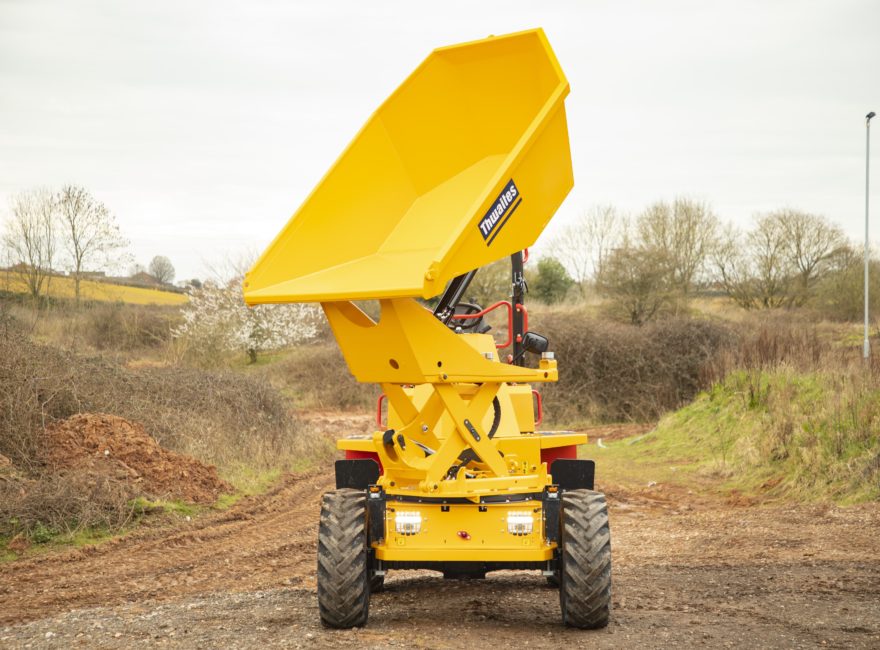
[(643, 267), (68, 227), (655, 263)]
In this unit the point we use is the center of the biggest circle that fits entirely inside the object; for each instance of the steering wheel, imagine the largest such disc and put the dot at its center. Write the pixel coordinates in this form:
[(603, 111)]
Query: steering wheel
[(467, 324)]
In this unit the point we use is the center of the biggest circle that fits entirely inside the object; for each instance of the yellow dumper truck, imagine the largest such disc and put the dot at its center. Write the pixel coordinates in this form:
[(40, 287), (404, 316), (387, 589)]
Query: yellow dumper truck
[(464, 164)]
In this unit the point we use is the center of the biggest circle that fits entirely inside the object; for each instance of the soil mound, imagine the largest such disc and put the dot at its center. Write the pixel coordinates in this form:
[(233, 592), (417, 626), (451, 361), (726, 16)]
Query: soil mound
[(99, 441)]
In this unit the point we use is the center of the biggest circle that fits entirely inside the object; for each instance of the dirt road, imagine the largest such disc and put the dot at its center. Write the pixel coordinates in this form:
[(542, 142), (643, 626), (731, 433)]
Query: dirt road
[(688, 570)]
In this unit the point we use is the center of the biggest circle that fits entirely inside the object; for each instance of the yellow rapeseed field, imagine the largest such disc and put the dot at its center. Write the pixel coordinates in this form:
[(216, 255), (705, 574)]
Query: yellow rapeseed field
[(63, 287)]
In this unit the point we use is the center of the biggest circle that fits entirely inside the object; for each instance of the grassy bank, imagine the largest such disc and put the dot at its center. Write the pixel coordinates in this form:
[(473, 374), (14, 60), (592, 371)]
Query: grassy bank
[(777, 433)]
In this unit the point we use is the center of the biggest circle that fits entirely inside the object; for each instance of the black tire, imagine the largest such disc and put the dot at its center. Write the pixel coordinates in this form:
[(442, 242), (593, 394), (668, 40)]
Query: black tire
[(343, 560), (585, 563)]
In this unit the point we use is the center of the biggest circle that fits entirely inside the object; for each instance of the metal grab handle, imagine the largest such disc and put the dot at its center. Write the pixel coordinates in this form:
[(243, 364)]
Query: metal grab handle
[(379, 409), (509, 306), (540, 417)]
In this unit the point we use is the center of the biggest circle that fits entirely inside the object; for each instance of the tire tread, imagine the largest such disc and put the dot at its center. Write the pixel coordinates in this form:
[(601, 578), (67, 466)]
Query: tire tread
[(585, 586), (343, 581)]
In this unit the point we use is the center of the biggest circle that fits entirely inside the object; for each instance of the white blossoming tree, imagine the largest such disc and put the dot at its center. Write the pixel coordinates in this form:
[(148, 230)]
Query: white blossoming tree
[(216, 319)]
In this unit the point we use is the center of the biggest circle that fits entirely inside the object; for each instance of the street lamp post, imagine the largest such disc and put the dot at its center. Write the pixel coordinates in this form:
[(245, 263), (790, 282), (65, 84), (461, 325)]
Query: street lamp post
[(867, 348)]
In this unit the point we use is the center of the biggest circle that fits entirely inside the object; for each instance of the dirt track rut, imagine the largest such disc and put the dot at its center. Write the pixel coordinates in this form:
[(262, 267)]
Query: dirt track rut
[(688, 570), (265, 541)]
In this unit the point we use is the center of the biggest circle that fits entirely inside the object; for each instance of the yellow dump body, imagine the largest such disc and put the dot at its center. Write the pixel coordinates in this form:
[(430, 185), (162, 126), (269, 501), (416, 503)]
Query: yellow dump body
[(462, 165)]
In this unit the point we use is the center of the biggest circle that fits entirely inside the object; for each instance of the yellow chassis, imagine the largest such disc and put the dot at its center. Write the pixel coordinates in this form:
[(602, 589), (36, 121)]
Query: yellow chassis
[(463, 514), (464, 533)]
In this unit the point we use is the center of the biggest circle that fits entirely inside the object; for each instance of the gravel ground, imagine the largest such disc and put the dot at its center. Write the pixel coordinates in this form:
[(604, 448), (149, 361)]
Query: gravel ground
[(713, 607), (689, 570)]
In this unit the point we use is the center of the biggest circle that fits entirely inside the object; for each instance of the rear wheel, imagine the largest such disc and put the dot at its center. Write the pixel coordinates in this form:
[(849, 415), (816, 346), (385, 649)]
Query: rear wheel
[(343, 560), (585, 564)]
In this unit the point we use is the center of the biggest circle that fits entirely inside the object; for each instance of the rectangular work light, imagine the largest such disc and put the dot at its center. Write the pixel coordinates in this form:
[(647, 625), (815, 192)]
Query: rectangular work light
[(408, 523), (520, 523)]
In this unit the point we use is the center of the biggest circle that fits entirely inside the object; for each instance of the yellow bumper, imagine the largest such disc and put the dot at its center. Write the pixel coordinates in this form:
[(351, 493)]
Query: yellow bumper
[(464, 533)]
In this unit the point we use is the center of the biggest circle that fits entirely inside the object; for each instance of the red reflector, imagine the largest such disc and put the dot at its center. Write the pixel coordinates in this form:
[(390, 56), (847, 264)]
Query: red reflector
[(464, 535)]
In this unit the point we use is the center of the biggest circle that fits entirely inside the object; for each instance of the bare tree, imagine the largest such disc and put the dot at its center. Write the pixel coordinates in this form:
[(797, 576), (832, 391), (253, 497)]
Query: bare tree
[(584, 246), (753, 268), (812, 243), (733, 267), (685, 232), (772, 265), (636, 282), (30, 238), (90, 235), (840, 292), (162, 269), (780, 262), (231, 265)]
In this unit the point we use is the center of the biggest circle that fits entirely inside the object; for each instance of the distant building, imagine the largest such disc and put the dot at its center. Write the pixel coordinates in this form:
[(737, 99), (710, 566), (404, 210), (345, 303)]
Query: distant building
[(143, 279), (22, 267), (89, 275)]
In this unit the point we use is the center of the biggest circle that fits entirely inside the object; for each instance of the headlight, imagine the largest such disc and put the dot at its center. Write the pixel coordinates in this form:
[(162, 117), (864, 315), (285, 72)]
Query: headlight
[(519, 523), (408, 523)]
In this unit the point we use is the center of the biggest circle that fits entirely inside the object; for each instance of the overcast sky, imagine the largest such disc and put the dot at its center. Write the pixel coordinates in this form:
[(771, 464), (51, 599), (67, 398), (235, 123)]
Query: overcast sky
[(203, 125)]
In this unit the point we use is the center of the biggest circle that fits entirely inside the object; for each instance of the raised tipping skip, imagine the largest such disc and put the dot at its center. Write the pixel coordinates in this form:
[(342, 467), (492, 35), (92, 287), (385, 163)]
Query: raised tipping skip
[(452, 172)]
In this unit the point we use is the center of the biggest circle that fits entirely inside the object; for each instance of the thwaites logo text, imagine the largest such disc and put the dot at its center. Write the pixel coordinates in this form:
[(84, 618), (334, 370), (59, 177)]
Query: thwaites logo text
[(500, 211)]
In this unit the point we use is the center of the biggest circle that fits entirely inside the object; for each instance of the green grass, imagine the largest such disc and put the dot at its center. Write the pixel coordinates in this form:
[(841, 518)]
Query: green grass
[(806, 436), (176, 507), (248, 481), (635, 462), (5, 554), (45, 541)]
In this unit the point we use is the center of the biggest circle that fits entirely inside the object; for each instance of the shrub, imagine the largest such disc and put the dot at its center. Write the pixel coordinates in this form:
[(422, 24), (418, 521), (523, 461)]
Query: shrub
[(790, 339), (613, 372), (217, 416), (63, 503), (128, 327), (551, 281), (637, 283), (610, 371), (840, 295), (319, 378)]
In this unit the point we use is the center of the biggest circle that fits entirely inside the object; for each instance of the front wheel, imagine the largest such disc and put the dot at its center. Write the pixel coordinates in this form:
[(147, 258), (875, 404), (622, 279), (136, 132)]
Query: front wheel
[(585, 563), (343, 560)]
